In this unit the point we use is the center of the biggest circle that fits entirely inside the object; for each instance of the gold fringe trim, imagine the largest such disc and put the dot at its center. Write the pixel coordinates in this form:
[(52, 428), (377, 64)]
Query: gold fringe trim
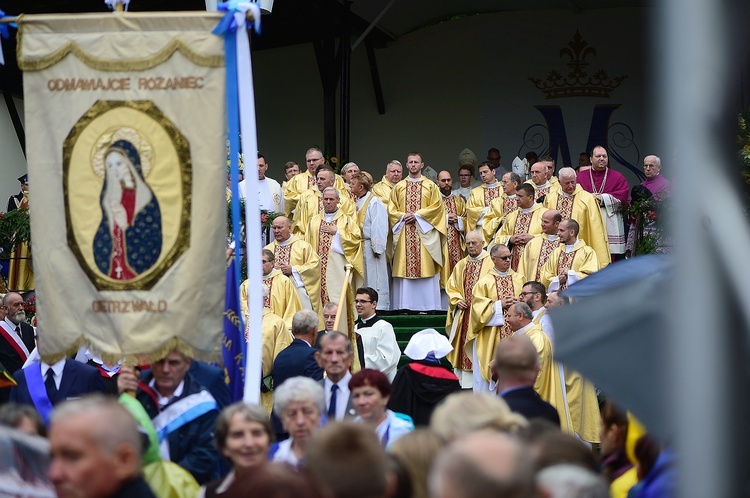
[(148, 357), (27, 64)]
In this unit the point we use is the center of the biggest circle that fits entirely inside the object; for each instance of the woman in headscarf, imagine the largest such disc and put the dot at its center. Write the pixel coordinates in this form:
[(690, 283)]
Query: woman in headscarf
[(128, 241)]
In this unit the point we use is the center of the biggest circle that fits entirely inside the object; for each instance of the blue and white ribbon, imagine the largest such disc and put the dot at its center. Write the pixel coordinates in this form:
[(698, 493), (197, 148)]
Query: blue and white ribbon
[(4, 33), (241, 116)]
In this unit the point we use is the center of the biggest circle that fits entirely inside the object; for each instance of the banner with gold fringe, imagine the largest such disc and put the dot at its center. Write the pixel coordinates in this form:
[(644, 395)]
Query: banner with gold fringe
[(125, 120)]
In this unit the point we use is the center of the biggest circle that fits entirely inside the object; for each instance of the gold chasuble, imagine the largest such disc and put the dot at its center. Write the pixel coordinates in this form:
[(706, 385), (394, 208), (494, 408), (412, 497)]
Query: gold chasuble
[(301, 183), (305, 261), (454, 248), (383, 189), (282, 298), (276, 337), (459, 287), (488, 290), (495, 217), (549, 384), (582, 260), (21, 274), (126, 152), (535, 254), (480, 198), (332, 263), (311, 203), (517, 223), (583, 207), (417, 254)]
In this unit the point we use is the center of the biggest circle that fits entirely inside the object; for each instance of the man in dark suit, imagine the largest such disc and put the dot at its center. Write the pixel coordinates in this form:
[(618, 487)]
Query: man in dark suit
[(213, 379), (66, 379), (16, 337), (297, 359), (516, 366), (335, 358)]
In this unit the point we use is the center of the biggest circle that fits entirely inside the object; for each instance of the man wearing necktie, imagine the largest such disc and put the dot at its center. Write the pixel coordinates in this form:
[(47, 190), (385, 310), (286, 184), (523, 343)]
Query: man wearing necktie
[(16, 337), (335, 358)]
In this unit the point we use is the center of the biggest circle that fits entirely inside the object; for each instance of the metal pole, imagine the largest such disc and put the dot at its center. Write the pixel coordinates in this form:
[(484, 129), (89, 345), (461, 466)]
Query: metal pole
[(346, 54)]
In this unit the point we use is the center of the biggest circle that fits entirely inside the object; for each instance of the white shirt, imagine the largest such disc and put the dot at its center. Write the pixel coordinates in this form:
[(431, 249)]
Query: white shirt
[(342, 396), (163, 400), (57, 368)]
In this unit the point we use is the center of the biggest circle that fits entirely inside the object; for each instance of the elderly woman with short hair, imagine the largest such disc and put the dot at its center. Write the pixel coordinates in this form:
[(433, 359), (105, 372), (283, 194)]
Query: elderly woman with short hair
[(299, 403), (243, 436)]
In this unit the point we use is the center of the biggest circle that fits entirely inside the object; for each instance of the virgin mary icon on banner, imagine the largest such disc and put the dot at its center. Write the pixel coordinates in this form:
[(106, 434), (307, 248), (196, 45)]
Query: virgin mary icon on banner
[(128, 194), (128, 241)]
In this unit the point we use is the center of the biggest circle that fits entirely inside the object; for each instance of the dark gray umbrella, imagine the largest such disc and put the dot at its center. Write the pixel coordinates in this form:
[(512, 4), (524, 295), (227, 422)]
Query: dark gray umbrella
[(614, 334)]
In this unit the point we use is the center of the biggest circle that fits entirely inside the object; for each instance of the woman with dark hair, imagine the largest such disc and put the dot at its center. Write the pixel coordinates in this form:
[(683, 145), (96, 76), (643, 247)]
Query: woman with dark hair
[(23, 418), (129, 238), (243, 436), (370, 392)]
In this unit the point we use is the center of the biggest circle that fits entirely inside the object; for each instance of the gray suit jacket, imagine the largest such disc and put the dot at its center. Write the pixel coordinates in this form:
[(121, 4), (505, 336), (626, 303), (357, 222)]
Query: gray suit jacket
[(350, 411)]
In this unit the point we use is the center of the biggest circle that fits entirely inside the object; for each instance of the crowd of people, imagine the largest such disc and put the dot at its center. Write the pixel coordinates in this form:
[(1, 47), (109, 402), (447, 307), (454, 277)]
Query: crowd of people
[(481, 408)]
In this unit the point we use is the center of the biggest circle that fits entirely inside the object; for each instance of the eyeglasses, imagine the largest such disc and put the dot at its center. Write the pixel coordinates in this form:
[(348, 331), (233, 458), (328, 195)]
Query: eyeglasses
[(361, 301), (504, 258)]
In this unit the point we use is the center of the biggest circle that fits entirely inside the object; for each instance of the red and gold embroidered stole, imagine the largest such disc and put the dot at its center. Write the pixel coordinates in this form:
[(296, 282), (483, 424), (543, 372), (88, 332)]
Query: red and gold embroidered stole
[(471, 275), (490, 194), (324, 246), (565, 206), (547, 247), (540, 191), (504, 287), (523, 223), (282, 254), (565, 263), (267, 300), (454, 236), (509, 204), (413, 242)]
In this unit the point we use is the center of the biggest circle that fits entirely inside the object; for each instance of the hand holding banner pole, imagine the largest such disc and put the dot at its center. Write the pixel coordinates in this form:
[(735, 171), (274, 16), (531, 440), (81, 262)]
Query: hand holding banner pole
[(342, 297)]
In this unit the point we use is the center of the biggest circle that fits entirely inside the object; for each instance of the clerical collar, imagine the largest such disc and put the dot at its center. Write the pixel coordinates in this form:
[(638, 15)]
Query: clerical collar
[(512, 196), (569, 247), (414, 179), (565, 194), (552, 237), (286, 242), (543, 185), (526, 210), (478, 255), (523, 329), (262, 179), (446, 196), (501, 273), (491, 185), (363, 197), (329, 216)]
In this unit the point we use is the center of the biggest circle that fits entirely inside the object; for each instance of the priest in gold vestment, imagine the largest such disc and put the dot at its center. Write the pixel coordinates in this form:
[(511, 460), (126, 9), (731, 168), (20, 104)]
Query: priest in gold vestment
[(297, 260), (540, 180), (521, 225), (571, 201), (466, 273), (417, 218), (282, 299), (454, 247), (303, 182), (393, 173), (549, 384), (572, 255), (478, 203), (337, 239), (501, 207), (537, 251), (310, 202), (493, 294), (276, 337)]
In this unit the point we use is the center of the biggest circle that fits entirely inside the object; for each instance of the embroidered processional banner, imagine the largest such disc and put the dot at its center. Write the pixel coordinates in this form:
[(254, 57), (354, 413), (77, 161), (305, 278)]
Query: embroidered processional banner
[(125, 127)]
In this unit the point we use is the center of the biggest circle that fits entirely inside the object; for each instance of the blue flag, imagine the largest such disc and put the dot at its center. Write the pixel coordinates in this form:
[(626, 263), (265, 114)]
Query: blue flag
[(233, 347)]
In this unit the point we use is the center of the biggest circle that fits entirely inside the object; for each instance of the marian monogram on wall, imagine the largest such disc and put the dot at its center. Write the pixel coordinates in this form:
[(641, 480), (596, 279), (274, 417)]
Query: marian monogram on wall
[(127, 178)]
